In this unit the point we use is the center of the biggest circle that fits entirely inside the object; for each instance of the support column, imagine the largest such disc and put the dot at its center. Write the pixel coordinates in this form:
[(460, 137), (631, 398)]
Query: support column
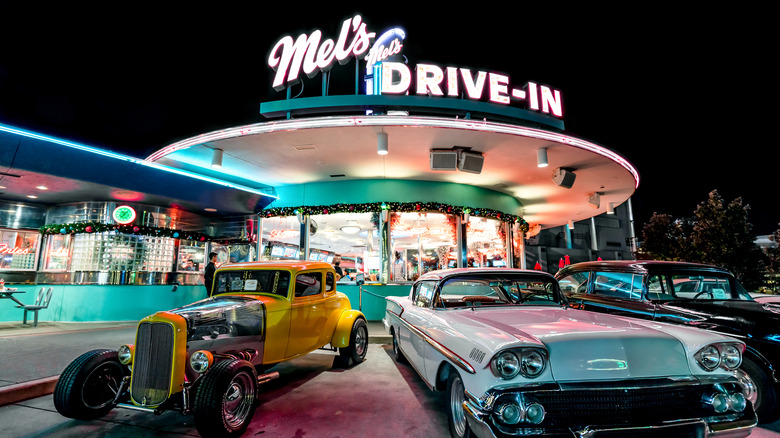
[(384, 247), (594, 243), (259, 243), (463, 244), (304, 240)]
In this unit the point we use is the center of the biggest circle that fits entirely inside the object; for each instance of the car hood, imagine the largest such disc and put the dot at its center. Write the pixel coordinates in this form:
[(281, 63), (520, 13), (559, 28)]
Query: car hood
[(585, 345), (734, 317)]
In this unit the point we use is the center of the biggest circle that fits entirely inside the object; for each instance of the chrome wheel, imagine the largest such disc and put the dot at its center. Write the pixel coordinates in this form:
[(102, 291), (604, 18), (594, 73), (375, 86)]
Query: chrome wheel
[(457, 397), (101, 385), (361, 341), (749, 388), (238, 400)]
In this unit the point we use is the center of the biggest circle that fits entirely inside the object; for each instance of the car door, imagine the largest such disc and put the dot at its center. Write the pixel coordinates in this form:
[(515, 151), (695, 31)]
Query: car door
[(617, 293), (308, 313), (412, 344)]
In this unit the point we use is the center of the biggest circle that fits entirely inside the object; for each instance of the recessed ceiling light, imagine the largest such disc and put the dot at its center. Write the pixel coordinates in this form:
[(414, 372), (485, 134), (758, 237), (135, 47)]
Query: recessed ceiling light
[(32, 196), (42, 188), (210, 209)]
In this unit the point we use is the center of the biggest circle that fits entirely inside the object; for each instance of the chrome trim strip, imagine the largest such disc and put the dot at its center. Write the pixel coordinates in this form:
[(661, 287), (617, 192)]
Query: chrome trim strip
[(449, 354)]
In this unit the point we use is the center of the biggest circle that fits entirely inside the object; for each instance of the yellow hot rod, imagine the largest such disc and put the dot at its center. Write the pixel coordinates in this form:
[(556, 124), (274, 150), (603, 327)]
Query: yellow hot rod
[(209, 358)]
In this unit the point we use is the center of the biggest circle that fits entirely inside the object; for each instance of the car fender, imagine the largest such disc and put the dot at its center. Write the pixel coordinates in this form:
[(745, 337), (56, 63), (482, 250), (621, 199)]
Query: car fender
[(343, 330)]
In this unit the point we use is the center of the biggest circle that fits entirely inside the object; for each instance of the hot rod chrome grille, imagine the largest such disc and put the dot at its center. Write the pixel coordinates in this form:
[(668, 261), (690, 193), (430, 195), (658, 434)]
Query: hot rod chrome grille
[(620, 406), (151, 378)]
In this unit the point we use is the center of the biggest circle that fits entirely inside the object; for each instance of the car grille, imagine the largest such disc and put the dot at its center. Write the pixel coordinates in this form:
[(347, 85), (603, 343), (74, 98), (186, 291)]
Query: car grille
[(152, 364), (571, 408)]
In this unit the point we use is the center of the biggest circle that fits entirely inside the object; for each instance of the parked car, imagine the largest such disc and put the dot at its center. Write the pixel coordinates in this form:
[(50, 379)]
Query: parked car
[(688, 294), (515, 359), (208, 358)]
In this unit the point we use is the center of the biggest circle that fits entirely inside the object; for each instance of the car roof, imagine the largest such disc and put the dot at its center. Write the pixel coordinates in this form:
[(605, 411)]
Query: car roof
[(444, 273), (640, 266), (293, 265)]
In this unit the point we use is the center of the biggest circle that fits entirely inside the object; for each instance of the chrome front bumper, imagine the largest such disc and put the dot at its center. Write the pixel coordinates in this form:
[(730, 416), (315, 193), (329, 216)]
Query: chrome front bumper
[(478, 423)]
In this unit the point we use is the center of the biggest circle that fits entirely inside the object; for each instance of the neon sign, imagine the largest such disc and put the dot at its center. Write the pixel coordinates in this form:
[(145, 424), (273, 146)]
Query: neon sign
[(124, 214), (288, 55), (5, 249)]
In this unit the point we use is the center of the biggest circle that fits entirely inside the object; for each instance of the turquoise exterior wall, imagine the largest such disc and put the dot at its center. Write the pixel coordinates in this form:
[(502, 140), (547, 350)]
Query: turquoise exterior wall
[(392, 190), (77, 303)]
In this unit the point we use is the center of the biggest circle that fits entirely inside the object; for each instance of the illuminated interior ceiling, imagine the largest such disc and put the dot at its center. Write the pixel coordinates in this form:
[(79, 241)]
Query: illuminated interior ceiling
[(309, 150)]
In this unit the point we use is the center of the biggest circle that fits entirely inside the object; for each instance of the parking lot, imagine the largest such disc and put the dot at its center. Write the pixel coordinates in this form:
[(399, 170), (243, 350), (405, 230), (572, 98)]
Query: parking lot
[(311, 399)]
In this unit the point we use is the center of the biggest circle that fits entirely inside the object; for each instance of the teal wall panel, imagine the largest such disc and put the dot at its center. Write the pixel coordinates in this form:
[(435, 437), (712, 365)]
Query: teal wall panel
[(390, 190), (93, 303)]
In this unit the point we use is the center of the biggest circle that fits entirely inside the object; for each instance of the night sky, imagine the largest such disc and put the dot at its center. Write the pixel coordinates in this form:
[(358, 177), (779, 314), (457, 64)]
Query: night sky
[(686, 95)]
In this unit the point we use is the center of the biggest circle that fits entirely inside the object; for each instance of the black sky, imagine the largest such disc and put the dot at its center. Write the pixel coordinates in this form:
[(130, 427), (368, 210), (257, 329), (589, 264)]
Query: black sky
[(686, 94)]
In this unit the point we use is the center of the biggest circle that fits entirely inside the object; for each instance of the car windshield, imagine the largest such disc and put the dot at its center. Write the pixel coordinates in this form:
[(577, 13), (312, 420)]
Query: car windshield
[(253, 280), (695, 286), (487, 290)]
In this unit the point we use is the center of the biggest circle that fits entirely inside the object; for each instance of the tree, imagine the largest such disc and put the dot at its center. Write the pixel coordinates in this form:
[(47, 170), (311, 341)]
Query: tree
[(665, 238), (719, 234)]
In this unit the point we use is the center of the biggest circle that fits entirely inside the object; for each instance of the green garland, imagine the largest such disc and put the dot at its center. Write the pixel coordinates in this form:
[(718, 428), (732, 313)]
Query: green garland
[(371, 207), (404, 207), (99, 227)]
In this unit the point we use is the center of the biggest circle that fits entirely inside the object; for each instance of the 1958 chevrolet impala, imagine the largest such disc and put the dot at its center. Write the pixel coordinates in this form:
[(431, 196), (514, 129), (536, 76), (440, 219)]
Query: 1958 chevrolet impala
[(515, 359)]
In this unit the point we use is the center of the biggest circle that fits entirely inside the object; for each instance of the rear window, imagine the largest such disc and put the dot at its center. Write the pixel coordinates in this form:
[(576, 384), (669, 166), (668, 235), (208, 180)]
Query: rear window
[(253, 280)]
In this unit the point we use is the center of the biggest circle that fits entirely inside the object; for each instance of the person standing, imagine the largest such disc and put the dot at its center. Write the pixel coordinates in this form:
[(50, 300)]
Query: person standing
[(338, 269), (208, 275)]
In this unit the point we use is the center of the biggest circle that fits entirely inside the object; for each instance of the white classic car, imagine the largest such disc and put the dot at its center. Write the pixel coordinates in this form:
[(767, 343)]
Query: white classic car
[(516, 359)]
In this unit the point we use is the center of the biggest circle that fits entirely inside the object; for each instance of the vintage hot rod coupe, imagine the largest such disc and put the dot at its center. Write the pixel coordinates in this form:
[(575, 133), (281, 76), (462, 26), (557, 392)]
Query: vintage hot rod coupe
[(694, 295), (516, 360), (209, 357)]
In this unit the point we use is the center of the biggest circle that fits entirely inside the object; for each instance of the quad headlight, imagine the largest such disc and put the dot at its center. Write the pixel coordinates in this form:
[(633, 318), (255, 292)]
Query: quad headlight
[(515, 410), (125, 354), (201, 360), (530, 362), (728, 356)]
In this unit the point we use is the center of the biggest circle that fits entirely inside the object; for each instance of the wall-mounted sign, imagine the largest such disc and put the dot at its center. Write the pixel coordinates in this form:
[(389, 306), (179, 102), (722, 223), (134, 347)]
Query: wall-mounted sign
[(387, 71), (124, 214)]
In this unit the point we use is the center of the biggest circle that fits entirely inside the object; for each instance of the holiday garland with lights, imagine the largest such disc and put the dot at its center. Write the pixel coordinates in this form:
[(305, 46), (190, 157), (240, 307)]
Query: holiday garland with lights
[(402, 207), (371, 207)]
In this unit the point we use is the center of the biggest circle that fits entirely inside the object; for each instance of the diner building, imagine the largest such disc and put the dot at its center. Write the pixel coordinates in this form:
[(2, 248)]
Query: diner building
[(422, 167)]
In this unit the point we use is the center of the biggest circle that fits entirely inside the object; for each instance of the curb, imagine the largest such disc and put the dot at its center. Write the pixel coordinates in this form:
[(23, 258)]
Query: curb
[(26, 390)]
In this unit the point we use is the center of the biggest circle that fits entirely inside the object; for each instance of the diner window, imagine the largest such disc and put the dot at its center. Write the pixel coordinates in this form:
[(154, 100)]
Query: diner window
[(18, 249), (281, 238), (233, 253), (192, 256), (420, 243), (308, 284), (487, 242), (57, 252)]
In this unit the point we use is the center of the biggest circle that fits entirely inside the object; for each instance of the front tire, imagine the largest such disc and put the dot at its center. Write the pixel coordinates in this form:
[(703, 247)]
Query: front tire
[(398, 355), (456, 415), (88, 386), (358, 345), (225, 401), (759, 390)]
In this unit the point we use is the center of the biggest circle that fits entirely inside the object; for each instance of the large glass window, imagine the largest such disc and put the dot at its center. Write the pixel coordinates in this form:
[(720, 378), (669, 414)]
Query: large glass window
[(234, 253), (351, 239), (18, 249), (57, 253), (421, 242), (487, 242), (281, 238), (192, 256)]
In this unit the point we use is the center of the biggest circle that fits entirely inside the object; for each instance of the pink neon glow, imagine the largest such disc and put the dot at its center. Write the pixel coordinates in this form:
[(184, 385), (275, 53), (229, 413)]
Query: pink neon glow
[(473, 87), (387, 78), (534, 98), (429, 77), (404, 121), (551, 101), (499, 88), (452, 81), (288, 55)]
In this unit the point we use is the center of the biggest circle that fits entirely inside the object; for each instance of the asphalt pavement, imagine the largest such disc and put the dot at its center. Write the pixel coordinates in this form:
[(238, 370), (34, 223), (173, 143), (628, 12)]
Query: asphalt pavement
[(31, 359)]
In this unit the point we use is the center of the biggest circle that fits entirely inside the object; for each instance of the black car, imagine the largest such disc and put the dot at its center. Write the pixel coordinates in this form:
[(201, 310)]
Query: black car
[(689, 294)]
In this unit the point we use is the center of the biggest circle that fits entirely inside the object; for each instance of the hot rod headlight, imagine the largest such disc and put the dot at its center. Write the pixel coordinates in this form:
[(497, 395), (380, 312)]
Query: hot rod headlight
[(201, 360), (708, 357), (125, 354), (530, 362), (731, 357)]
